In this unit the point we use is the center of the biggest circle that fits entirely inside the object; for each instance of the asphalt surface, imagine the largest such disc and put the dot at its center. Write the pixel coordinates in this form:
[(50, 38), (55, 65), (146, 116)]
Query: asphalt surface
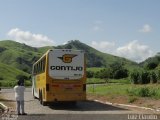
[(85, 110)]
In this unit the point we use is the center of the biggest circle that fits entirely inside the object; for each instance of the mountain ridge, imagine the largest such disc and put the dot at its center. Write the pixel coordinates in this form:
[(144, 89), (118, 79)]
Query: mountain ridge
[(21, 56)]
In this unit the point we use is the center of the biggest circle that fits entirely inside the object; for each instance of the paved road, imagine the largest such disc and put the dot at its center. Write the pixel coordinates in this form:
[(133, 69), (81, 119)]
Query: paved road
[(86, 110)]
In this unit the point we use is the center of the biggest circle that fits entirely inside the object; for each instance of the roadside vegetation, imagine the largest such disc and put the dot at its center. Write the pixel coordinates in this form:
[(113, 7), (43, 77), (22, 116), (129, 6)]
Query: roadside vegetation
[(112, 89), (128, 84)]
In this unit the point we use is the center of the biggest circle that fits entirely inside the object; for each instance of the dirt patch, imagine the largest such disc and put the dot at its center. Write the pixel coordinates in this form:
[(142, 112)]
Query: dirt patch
[(148, 102), (143, 102), (8, 103)]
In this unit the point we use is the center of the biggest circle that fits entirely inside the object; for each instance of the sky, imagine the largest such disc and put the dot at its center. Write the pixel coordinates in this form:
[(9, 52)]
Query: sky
[(126, 28)]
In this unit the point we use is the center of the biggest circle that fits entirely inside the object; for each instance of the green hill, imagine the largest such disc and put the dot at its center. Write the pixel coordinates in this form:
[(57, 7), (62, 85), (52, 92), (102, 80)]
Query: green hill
[(17, 59), (152, 62), (96, 58), (9, 74), (19, 55)]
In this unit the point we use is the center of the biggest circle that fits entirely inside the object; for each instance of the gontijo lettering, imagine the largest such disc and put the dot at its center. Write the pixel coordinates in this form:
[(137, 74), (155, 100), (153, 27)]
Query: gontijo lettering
[(73, 68)]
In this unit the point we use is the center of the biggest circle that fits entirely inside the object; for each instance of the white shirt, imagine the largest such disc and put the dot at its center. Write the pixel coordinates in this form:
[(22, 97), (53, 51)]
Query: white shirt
[(19, 92)]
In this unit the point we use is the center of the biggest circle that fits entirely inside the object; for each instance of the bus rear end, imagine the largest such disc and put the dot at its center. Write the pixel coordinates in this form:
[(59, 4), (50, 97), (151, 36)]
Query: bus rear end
[(66, 79)]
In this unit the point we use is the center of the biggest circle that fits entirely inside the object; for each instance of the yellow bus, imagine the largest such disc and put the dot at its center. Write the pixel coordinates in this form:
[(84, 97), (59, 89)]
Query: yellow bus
[(60, 75)]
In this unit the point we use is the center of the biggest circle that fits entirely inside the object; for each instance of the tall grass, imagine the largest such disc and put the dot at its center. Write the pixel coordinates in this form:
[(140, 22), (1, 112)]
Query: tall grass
[(145, 91), (130, 90)]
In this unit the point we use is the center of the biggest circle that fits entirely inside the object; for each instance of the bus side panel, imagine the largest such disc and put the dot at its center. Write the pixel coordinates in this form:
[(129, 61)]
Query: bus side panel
[(34, 86)]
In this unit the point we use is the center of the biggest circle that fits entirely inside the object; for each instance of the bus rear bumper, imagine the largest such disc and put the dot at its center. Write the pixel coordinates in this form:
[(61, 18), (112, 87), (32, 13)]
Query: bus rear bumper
[(67, 97)]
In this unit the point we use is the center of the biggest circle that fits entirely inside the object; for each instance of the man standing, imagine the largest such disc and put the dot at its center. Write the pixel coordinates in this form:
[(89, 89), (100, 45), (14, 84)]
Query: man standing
[(19, 96)]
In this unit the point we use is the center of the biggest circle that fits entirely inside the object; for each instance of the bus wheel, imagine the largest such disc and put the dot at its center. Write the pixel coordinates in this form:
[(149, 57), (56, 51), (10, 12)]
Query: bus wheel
[(34, 95), (44, 103), (40, 97), (41, 100)]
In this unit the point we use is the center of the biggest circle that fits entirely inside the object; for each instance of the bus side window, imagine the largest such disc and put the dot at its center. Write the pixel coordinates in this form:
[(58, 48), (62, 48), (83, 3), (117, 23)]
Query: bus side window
[(40, 67), (37, 67), (44, 62)]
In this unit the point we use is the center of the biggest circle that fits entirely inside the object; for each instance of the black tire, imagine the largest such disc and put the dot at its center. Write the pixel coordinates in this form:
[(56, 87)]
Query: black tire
[(41, 99), (44, 103), (33, 94)]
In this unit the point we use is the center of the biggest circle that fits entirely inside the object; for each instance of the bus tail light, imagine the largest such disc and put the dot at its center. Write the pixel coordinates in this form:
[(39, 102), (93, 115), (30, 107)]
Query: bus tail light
[(84, 87), (47, 87)]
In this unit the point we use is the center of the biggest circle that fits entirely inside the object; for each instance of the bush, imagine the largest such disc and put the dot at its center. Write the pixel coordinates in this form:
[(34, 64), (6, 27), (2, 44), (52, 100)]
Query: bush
[(144, 78), (158, 76), (1, 78), (121, 73), (21, 77), (90, 74), (153, 77), (152, 65), (115, 71), (118, 71), (134, 76), (140, 77), (105, 73), (144, 92), (28, 83), (8, 83)]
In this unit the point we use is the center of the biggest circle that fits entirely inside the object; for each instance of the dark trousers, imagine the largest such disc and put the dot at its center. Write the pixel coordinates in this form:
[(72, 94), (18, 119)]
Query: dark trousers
[(20, 104)]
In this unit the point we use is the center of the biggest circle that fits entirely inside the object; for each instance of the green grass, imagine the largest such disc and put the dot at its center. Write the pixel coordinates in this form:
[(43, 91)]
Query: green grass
[(8, 74), (150, 90), (98, 81), (122, 81), (108, 89), (112, 89), (95, 81)]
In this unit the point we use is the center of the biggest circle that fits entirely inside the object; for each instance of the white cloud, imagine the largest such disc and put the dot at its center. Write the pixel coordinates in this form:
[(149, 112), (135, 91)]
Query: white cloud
[(103, 46), (35, 40), (134, 51), (146, 28)]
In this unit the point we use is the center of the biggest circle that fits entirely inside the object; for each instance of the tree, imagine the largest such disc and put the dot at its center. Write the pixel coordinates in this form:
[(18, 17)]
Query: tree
[(21, 77), (144, 77), (90, 74), (134, 76), (158, 75), (140, 77), (153, 77), (152, 65), (118, 71), (105, 73), (1, 78)]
